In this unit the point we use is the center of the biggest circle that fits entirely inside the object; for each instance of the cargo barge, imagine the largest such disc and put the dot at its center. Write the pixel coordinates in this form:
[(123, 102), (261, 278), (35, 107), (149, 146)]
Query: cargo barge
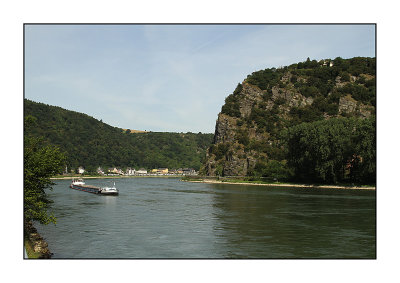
[(80, 185)]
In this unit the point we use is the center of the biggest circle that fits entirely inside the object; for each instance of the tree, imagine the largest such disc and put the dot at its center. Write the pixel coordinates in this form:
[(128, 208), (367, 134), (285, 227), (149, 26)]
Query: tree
[(364, 167), (40, 163), (272, 169), (324, 151)]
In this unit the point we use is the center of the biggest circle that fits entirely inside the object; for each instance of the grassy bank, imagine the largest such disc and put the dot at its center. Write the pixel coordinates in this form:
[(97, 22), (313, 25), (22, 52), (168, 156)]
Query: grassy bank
[(29, 249), (35, 245)]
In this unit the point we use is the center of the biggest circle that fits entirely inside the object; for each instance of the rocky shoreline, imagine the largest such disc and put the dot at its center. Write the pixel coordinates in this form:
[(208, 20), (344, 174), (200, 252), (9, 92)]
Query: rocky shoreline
[(39, 245)]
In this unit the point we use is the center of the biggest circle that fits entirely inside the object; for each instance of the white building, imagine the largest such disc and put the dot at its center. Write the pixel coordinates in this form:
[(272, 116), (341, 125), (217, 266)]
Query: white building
[(129, 171), (141, 171), (189, 171), (100, 171), (81, 170)]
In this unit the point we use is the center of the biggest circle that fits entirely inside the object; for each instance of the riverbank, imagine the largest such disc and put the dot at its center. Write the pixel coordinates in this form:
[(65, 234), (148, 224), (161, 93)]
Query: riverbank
[(113, 177), (196, 179), (255, 183), (35, 245)]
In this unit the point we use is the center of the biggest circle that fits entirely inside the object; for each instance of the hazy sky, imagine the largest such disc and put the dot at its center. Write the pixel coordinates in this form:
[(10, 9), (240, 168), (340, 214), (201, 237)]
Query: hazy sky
[(170, 78)]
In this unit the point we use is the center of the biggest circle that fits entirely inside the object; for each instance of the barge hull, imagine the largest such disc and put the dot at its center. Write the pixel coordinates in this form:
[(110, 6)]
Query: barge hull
[(84, 188)]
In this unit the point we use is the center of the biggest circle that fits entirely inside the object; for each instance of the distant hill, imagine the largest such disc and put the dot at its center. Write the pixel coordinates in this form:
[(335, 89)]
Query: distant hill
[(253, 129), (89, 142)]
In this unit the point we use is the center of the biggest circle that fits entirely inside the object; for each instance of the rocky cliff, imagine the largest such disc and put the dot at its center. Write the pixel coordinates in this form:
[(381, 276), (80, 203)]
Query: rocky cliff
[(253, 120)]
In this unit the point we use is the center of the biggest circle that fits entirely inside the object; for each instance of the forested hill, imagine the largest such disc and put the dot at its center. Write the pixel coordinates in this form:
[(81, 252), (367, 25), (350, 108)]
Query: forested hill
[(313, 121), (89, 142)]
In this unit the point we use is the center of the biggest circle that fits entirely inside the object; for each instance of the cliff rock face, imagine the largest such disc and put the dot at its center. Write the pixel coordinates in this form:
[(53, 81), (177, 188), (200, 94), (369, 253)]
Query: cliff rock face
[(250, 126)]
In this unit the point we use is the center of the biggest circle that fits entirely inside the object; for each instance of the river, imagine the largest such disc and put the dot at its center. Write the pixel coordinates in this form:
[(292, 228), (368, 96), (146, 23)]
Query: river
[(166, 218)]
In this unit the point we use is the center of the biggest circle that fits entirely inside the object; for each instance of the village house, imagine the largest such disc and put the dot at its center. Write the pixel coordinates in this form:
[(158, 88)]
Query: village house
[(129, 171), (141, 171), (188, 171), (159, 171), (81, 170), (115, 171), (100, 171), (162, 171)]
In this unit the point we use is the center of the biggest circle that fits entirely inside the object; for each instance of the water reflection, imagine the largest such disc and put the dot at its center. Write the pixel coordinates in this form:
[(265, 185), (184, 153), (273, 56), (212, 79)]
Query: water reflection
[(166, 218), (258, 222)]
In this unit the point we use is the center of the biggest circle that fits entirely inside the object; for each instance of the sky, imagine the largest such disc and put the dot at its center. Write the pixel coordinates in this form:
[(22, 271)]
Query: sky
[(168, 78)]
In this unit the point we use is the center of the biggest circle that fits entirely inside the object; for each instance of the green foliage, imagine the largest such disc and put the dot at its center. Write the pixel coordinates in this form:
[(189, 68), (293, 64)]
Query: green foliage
[(363, 165), (41, 162), (239, 122), (265, 78), (359, 92), (231, 106), (267, 120), (306, 113), (220, 150), (309, 91), (270, 150), (91, 143), (322, 151), (219, 170), (344, 76), (272, 169), (238, 89), (242, 137), (280, 101)]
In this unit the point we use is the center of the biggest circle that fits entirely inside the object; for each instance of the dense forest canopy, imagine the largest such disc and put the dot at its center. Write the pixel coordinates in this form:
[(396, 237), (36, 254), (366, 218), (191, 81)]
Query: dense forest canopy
[(89, 142), (334, 150)]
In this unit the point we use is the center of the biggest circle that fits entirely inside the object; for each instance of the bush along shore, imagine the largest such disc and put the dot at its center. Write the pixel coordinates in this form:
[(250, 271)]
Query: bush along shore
[(35, 245), (267, 182)]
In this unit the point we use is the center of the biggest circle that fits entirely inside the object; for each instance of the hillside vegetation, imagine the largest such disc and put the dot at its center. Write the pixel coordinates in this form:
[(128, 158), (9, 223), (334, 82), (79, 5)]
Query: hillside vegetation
[(312, 121), (89, 142)]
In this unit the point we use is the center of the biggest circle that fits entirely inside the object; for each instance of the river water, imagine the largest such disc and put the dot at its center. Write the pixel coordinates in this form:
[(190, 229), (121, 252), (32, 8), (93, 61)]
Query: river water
[(167, 218)]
